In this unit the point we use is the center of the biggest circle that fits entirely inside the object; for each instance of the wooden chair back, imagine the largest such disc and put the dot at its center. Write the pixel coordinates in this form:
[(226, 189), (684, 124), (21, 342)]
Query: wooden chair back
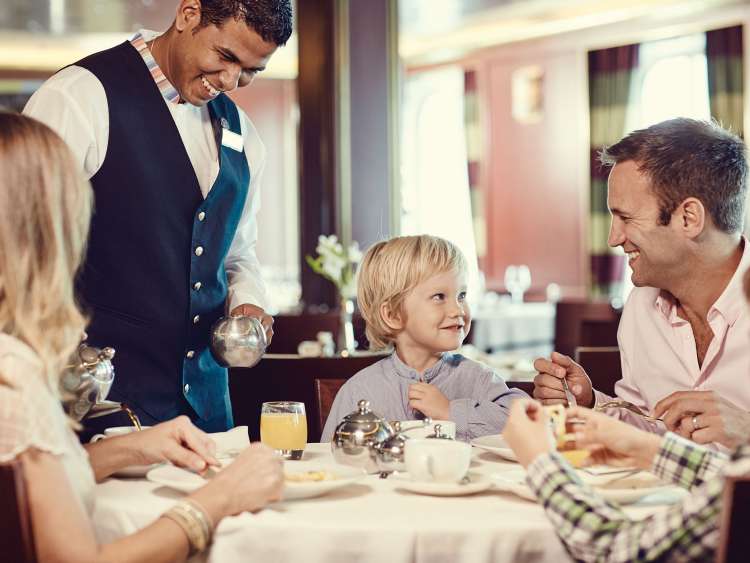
[(325, 393), (288, 378), (603, 365), (734, 541), (584, 323), (16, 535)]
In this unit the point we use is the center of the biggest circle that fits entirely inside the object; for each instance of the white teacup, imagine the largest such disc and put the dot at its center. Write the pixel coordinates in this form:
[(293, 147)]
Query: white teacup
[(417, 429), (442, 461), (115, 431)]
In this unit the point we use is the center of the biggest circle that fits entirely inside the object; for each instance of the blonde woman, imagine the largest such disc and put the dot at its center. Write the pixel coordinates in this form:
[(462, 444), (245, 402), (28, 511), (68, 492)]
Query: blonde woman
[(47, 207)]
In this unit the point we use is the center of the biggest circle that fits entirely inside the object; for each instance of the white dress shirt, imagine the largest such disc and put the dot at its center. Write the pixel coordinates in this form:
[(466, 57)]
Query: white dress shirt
[(73, 103)]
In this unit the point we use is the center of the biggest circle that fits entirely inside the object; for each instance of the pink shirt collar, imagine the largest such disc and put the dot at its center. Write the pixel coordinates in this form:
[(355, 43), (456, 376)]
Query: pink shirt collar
[(729, 304)]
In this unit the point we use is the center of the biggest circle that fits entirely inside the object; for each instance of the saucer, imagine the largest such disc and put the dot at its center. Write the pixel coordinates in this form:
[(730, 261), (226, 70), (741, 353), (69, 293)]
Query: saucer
[(496, 445), (477, 483)]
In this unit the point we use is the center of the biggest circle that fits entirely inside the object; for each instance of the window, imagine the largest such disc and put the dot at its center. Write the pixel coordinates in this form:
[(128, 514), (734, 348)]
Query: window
[(671, 81)]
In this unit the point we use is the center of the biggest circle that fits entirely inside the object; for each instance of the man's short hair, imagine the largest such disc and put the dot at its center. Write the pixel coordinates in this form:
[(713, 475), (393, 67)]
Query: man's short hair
[(391, 269), (271, 19), (689, 158)]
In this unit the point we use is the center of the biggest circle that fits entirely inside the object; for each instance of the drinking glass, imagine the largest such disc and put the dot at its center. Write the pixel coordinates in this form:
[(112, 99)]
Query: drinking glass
[(283, 427)]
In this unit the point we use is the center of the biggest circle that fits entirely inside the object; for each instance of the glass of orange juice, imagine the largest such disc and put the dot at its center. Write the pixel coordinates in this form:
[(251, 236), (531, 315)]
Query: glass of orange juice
[(283, 427)]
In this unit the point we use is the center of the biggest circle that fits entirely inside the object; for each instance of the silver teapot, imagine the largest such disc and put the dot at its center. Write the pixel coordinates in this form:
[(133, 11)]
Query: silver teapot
[(238, 341), (87, 380), (357, 435)]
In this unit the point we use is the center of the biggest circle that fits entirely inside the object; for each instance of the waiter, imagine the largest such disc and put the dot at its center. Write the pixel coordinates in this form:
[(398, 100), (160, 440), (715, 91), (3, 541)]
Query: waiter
[(175, 167)]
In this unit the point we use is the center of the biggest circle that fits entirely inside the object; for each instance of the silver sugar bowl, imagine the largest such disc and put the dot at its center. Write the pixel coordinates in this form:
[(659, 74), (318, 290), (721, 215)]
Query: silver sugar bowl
[(238, 341), (389, 454), (87, 380), (440, 434), (356, 436)]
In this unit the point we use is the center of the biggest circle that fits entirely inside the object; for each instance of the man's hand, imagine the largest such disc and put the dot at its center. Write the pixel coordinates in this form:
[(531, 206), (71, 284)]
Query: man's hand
[(548, 385), (528, 431), (248, 310), (715, 418), (428, 400)]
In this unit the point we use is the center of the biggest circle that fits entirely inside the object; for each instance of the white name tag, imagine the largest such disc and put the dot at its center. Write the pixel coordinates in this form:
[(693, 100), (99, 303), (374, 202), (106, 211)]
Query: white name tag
[(231, 139)]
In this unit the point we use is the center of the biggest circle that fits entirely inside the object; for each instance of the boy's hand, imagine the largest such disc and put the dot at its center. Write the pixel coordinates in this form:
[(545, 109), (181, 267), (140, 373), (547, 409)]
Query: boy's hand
[(428, 400)]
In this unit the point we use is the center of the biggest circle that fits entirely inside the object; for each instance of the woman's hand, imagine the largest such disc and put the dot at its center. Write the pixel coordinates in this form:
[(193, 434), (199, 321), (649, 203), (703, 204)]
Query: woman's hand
[(249, 483), (613, 442), (527, 431), (177, 441)]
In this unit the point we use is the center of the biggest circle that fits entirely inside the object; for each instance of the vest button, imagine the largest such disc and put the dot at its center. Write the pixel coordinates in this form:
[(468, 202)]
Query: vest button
[(201, 215), (197, 286), (196, 318), (224, 122), (186, 388), (189, 354), (198, 250)]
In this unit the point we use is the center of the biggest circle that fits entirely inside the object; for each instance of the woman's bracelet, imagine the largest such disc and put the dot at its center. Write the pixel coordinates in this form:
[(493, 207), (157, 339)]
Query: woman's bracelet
[(195, 522)]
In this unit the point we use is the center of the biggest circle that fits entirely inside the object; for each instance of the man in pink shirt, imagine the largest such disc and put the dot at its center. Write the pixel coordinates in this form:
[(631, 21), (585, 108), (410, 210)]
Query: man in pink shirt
[(676, 193)]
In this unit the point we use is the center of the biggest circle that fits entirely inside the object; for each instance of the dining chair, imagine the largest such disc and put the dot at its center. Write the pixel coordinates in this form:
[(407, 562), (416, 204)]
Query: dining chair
[(734, 541), (602, 364), (279, 377), (325, 393), (16, 534), (584, 323)]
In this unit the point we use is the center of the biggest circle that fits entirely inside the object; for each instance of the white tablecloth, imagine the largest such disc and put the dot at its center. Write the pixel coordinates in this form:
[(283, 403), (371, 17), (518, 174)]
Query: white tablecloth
[(514, 326), (371, 520)]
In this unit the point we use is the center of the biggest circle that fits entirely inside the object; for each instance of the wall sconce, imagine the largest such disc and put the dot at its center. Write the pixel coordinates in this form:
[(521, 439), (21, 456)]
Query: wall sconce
[(527, 94)]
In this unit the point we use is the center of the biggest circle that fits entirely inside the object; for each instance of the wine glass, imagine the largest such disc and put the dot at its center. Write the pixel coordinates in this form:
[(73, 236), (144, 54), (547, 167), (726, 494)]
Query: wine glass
[(283, 427), (524, 279)]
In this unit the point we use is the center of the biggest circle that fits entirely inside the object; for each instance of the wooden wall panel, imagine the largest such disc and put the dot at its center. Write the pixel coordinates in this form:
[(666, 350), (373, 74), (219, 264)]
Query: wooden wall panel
[(536, 185)]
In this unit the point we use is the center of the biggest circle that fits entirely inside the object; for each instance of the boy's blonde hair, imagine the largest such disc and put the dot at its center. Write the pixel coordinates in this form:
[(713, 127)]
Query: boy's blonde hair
[(391, 269), (46, 205)]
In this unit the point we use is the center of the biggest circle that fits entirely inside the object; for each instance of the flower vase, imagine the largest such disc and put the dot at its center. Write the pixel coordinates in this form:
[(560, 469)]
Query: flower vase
[(346, 343)]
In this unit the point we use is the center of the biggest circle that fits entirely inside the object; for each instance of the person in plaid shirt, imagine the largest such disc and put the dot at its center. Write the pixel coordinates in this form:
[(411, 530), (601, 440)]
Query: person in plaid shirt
[(596, 530)]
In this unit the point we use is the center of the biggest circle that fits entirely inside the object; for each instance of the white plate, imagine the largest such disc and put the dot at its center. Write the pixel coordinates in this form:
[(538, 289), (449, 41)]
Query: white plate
[(477, 483), (187, 481), (495, 444), (627, 490), (344, 475)]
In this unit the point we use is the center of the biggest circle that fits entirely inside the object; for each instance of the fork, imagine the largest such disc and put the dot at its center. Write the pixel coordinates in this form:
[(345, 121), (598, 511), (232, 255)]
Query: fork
[(620, 404), (568, 395)]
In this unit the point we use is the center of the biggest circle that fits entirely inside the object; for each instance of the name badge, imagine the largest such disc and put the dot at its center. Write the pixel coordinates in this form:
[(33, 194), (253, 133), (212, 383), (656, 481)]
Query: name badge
[(231, 140)]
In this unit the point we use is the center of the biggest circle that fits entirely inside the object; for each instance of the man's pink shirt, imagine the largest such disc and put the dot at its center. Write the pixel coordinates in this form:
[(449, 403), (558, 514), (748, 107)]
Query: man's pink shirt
[(658, 353)]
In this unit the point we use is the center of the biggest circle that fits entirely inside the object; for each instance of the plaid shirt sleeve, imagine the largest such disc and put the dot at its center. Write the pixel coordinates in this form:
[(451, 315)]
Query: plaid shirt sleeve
[(596, 530), (686, 463)]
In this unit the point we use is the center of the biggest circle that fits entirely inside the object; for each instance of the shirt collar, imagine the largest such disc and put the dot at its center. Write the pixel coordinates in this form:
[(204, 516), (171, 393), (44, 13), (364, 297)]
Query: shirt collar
[(402, 370), (730, 304), (139, 41)]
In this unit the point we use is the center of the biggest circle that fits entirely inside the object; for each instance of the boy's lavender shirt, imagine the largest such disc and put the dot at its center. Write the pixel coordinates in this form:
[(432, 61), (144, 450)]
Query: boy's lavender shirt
[(479, 398)]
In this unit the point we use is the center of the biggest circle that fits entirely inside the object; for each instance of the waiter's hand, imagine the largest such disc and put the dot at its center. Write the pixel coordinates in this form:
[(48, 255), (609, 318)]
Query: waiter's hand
[(248, 310)]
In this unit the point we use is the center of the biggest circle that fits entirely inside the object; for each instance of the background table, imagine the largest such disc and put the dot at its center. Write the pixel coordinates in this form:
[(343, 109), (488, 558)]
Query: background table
[(371, 520)]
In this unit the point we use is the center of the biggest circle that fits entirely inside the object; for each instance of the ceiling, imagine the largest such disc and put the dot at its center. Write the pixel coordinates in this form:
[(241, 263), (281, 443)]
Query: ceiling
[(435, 30), (47, 34)]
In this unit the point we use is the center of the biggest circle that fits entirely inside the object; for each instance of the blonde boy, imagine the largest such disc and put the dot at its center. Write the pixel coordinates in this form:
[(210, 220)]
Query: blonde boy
[(412, 294)]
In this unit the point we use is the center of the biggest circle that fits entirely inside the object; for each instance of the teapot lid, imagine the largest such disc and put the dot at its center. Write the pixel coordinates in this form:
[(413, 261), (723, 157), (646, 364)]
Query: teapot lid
[(363, 418)]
